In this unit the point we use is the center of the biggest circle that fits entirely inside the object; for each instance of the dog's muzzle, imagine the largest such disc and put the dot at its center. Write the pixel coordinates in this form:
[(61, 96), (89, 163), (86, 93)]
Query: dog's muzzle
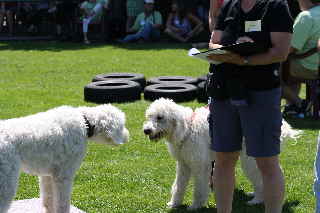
[(147, 131), (151, 136)]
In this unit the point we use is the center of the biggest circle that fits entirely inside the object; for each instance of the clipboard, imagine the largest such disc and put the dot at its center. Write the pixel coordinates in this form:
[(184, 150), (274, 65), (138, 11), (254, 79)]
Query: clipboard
[(246, 48), (243, 49)]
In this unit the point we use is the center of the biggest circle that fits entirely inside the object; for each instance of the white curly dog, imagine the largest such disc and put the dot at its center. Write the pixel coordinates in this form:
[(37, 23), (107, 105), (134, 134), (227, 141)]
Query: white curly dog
[(187, 135), (52, 145)]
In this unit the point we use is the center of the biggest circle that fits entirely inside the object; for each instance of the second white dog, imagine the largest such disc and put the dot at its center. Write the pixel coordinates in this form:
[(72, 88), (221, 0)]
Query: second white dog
[(187, 135)]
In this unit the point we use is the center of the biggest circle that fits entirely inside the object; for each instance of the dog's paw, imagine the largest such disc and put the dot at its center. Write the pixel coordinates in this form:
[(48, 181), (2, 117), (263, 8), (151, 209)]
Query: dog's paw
[(255, 201), (173, 205)]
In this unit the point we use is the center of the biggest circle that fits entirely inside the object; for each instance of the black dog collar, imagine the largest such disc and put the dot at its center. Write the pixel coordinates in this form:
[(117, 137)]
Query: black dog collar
[(89, 127)]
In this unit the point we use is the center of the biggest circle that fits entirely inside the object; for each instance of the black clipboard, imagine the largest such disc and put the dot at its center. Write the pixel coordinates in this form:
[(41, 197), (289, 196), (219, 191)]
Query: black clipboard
[(243, 49), (246, 48)]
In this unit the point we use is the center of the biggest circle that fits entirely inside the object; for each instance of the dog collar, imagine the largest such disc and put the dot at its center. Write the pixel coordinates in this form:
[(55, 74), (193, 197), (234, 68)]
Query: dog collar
[(89, 127)]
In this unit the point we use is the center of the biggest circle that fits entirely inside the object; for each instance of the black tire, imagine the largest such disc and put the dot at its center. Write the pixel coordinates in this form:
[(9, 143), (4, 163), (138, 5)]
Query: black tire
[(172, 80), (202, 94), (139, 78), (112, 91), (176, 92)]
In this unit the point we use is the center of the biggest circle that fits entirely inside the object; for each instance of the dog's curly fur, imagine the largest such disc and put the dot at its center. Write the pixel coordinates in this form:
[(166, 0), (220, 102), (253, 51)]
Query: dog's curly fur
[(187, 135), (52, 145)]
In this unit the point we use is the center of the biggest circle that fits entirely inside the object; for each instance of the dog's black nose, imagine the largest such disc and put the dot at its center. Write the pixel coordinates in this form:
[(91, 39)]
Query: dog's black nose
[(147, 131)]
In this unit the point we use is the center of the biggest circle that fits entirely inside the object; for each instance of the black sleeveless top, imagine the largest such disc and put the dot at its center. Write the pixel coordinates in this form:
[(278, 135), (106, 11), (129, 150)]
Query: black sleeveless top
[(273, 16)]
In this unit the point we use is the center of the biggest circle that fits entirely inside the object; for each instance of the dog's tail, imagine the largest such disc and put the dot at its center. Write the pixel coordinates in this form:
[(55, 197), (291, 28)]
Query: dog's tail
[(287, 132)]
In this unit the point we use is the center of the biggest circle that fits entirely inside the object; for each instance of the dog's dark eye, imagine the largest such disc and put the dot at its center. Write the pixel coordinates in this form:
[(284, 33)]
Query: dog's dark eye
[(159, 117)]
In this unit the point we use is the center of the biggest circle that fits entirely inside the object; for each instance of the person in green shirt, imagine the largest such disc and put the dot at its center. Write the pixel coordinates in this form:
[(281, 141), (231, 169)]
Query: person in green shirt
[(134, 8), (146, 26), (306, 32), (92, 11)]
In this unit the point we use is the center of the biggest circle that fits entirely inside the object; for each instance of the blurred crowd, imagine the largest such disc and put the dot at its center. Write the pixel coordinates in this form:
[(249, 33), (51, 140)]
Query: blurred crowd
[(118, 20)]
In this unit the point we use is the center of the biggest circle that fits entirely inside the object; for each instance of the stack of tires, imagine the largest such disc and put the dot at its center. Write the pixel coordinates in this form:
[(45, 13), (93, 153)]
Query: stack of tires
[(177, 88), (127, 87), (115, 88)]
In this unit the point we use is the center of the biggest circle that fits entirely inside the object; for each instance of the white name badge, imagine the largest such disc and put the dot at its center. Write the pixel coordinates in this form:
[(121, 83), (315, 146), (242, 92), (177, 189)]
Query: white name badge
[(251, 26)]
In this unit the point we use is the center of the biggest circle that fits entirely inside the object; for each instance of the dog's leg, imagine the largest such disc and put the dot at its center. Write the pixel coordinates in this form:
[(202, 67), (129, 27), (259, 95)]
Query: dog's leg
[(62, 186), (201, 187), (250, 169), (9, 177), (46, 194), (180, 184)]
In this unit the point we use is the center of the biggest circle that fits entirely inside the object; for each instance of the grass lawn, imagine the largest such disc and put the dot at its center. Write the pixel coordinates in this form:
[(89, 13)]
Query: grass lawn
[(135, 177)]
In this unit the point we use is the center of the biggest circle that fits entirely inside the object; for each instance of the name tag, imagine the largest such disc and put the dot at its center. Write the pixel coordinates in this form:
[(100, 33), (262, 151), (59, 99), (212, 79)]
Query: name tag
[(252, 26)]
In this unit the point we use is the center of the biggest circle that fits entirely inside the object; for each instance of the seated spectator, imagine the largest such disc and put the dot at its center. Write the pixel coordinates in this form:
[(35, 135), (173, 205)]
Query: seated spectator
[(182, 25), (7, 9), (37, 12), (306, 32), (65, 15), (134, 8), (26, 13), (203, 7), (146, 26), (214, 10), (92, 12)]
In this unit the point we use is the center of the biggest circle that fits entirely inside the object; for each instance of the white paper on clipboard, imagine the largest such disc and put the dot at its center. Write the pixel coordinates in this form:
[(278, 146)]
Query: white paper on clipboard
[(193, 52)]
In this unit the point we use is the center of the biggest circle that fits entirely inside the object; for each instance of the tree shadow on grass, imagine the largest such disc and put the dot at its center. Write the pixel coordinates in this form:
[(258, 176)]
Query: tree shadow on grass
[(56, 46), (305, 123), (239, 206)]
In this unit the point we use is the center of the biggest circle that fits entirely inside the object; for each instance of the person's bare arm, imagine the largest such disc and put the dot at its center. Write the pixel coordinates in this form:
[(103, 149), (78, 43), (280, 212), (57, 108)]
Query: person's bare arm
[(213, 13), (215, 39), (277, 53)]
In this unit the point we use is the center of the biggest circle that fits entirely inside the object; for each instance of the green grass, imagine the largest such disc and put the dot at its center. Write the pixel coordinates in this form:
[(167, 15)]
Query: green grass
[(137, 176)]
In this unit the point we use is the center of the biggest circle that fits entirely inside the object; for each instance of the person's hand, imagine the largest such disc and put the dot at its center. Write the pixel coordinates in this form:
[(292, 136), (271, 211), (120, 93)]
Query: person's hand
[(228, 57), (244, 39)]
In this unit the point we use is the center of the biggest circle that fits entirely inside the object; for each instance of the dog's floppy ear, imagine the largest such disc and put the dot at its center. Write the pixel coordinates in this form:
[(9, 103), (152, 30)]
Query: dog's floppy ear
[(180, 126), (117, 135)]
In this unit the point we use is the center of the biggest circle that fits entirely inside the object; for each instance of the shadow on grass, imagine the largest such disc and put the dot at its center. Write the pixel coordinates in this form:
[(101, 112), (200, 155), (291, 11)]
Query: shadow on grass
[(305, 123), (239, 206), (57, 46)]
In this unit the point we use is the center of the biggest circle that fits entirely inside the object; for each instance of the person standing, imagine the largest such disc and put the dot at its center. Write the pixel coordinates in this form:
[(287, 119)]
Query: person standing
[(316, 184), (245, 93)]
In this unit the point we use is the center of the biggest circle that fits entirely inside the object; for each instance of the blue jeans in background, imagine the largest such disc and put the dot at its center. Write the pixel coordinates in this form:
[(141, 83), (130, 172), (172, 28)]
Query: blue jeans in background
[(148, 33), (316, 186)]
